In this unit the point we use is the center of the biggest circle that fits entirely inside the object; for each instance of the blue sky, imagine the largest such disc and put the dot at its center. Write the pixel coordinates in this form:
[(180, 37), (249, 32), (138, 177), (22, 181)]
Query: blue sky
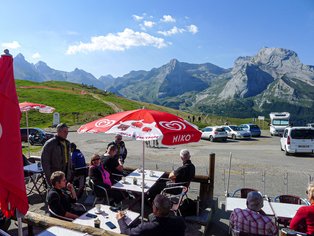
[(114, 36)]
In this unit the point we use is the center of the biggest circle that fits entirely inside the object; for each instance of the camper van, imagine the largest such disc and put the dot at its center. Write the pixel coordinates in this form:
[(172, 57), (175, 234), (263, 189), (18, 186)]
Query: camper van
[(278, 122)]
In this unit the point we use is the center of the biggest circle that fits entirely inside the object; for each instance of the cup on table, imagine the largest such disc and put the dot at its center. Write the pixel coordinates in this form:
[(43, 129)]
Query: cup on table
[(97, 223), (151, 173), (98, 207), (123, 179)]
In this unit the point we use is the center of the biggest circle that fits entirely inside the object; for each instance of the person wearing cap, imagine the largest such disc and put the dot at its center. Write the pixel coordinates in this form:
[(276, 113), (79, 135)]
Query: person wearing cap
[(56, 154), (253, 220), (122, 152), (111, 163), (161, 223), (303, 221)]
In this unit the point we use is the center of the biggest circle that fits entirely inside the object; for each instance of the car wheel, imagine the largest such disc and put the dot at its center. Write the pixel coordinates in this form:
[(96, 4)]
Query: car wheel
[(225, 140), (211, 138), (234, 137), (271, 134), (286, 152), (281, 148)]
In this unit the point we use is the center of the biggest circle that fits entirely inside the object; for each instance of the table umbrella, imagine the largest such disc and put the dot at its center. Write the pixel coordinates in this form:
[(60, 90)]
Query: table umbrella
[(12, 186), (27, 106), (146, 125)]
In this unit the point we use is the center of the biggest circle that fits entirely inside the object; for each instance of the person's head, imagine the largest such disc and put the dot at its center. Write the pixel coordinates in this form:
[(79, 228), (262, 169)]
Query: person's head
[(254, 201), (73, 147), (95, 160), (310, 191), (185, 155), (161, 205), (62, 130), (118, 138), (112, 150), (57, 179)]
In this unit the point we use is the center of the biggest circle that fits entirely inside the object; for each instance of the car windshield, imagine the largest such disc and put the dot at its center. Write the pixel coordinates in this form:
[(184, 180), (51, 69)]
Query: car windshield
[(254, 127), (235, 128), (220, 129), (302, 134), (281, 122)]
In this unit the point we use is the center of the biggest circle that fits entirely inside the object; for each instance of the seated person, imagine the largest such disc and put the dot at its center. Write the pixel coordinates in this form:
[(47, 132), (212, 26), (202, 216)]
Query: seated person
[(181, 176), (303, 221), (121, 152), (161, 224), (80, 169), (112, 164), (58, 199), (4, 222), (253, 220), (101, 177)]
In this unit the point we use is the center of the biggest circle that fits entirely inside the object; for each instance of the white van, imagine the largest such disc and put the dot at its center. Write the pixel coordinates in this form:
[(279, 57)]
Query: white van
[(297, 140)]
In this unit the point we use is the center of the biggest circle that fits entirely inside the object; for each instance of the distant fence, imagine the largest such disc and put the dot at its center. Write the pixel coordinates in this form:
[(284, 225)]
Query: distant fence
[(269, 183)]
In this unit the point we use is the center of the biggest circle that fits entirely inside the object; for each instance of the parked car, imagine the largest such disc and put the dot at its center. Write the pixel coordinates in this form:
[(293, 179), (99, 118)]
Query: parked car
[(310, 125), (297, 140), (214, 133), (235, 132), (36, 135), (253, 128)]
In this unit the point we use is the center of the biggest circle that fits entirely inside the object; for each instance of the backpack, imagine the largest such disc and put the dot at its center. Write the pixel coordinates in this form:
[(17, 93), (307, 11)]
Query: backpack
[(188, 207)]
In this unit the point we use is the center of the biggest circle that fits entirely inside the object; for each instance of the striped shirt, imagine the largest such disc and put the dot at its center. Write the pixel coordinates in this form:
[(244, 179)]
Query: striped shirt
[(248, 221)]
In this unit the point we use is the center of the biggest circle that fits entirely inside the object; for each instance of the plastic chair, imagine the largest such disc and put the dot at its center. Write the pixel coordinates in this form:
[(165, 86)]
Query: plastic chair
[(243, 192), (99, 192), (176, 199), (290, 199)]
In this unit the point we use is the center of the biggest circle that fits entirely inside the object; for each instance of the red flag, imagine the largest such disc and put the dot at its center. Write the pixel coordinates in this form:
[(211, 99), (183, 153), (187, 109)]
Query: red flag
[(12, 186)]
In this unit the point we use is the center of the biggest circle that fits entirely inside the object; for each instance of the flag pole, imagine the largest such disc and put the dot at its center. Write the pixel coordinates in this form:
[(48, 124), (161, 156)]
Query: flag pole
[(27, 132)]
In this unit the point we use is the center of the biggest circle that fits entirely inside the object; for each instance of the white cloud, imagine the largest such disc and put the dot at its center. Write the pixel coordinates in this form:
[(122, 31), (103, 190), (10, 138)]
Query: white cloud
[(168, 18), (137, 18), (12, 45), (118, 42), (36, 55), (174, 30), (149, 24), (192, 29)]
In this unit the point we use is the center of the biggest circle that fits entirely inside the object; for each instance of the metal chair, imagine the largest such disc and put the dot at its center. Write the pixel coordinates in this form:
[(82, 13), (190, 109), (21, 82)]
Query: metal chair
[(100, 193), (243, 192), (63, 217), (176, 199), (290, 199)]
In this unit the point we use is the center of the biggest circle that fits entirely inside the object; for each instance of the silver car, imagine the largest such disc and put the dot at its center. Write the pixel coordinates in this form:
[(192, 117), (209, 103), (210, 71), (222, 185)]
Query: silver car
[(214, 134), (236, 132)]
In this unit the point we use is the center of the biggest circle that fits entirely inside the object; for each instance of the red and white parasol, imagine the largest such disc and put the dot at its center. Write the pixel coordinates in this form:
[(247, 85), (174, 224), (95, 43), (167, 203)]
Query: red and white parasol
[(146, 125)]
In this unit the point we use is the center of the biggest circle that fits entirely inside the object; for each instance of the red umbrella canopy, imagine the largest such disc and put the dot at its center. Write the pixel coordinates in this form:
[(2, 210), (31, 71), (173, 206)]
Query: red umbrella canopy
[(27, 106), (146, 125)]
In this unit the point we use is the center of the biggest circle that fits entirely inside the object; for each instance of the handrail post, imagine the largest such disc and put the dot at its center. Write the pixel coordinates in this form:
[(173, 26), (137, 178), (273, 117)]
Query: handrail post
[(212, 158), (207, 189)]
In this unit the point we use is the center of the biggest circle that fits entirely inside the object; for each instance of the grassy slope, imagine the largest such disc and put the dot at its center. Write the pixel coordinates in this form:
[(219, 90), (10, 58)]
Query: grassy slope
[(67, 98)]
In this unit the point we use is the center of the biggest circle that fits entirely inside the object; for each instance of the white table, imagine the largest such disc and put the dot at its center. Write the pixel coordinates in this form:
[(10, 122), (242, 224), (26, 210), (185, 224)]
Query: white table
[(37, 177), (148, 180), (279, 209), (57, 230), (105, 216)]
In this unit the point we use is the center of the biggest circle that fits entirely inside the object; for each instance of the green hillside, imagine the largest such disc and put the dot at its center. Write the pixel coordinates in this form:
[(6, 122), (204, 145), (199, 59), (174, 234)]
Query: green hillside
[(79, 104)]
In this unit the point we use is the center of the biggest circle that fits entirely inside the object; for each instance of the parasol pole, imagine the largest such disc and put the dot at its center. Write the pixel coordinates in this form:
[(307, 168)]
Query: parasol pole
[(227, 191), (143, 164), (19, 221), (27, 132)]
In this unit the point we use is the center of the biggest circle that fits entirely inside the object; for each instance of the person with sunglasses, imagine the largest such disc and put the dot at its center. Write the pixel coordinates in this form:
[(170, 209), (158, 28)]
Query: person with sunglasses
[(101, 177), (303, 221)]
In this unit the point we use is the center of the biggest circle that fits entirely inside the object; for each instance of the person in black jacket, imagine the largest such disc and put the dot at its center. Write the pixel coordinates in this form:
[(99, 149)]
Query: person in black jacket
[(161, 224), (122, 152), (4, 222), (58, 200)]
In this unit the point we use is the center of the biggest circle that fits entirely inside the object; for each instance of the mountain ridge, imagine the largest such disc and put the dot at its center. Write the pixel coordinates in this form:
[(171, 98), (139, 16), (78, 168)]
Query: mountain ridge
[(255, 83)]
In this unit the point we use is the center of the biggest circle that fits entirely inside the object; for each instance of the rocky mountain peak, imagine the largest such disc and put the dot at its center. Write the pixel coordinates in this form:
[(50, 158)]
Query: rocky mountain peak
[(19, 57)]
